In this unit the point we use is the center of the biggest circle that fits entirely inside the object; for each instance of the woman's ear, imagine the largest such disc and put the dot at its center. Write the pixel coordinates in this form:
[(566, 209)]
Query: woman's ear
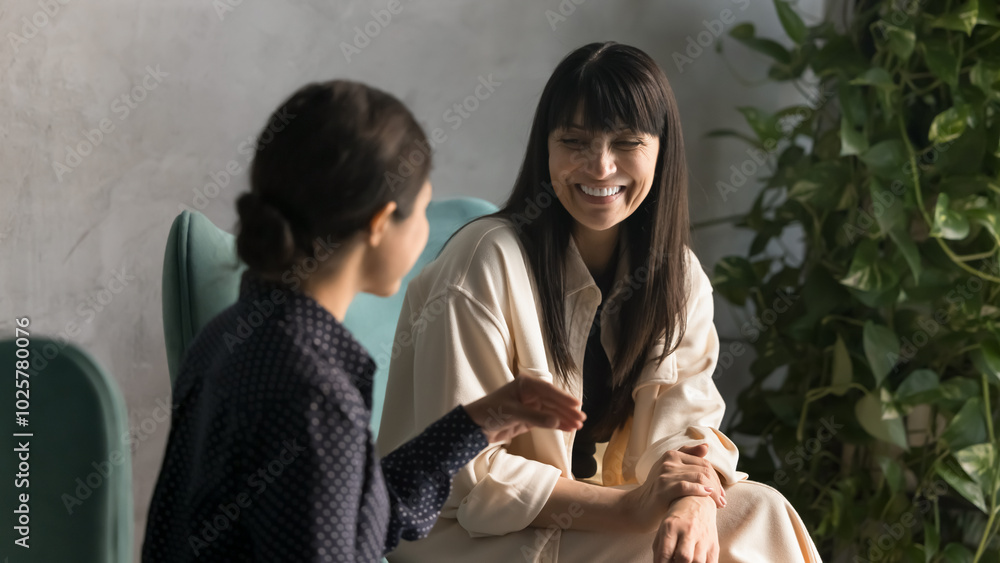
[(379, 223)]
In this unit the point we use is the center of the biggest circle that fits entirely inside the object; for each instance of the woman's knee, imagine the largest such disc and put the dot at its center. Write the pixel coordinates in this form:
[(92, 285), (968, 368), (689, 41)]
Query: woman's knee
[(756, 497)]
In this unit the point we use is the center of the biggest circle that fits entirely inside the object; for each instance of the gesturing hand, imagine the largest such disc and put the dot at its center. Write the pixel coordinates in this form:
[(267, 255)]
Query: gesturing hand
[(523, 403)]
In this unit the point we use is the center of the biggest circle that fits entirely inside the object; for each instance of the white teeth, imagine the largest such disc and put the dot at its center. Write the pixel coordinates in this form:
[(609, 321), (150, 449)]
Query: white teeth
[(600, 192)]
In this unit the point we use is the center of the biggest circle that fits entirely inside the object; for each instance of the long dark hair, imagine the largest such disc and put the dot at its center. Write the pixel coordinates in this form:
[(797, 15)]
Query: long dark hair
[(328, 158), (617, 85)]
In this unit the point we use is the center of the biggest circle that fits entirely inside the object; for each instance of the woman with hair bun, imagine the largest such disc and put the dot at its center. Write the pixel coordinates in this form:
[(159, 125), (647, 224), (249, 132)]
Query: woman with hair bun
[(585, 276), (270, 455)]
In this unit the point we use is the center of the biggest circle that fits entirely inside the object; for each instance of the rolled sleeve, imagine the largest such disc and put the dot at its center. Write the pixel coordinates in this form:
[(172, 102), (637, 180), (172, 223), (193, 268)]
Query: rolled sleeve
[(462, 351), (511, 492), (678, 404)]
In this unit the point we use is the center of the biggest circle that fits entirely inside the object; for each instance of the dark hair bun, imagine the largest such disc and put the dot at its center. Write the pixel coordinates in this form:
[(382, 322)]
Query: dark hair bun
[(265, 241)]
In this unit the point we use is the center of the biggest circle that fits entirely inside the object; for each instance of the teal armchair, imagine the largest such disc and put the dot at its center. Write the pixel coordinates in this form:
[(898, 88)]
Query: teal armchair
[(76, 465)]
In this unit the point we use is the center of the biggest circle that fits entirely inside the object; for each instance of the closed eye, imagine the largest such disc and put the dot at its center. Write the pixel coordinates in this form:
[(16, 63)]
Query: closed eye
[(631, 144)]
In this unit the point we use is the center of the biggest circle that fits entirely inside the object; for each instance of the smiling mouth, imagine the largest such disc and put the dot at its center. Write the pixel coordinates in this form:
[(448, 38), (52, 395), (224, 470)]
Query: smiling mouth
[(604, 194)]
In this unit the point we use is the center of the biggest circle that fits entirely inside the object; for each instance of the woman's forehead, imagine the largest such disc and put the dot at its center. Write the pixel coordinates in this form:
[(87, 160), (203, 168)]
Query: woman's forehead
[(595, 122)]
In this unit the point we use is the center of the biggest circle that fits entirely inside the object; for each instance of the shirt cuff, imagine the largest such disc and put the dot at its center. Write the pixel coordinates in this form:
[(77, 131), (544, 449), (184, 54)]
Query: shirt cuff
[(508, 497), (465, 438), (722, 453)]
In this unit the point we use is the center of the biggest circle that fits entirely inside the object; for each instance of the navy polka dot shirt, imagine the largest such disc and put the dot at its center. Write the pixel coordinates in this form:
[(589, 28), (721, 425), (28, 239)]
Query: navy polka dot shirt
[(270, 455)]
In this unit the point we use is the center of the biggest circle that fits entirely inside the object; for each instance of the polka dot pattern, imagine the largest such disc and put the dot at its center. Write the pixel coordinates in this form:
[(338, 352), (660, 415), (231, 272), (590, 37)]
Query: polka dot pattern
[(270, 455)]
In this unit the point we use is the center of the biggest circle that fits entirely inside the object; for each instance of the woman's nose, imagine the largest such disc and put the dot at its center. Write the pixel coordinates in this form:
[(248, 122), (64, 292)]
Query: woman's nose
[(600, 161)]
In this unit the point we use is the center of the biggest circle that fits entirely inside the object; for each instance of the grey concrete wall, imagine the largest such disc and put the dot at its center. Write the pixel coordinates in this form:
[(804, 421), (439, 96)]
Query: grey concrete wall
[(166, 92)]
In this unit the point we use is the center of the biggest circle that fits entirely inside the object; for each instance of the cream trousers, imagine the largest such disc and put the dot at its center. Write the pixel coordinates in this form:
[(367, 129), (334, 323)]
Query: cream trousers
[(758, 525)]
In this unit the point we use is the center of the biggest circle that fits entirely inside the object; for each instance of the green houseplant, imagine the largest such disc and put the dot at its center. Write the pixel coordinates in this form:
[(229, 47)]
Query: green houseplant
[(874, 394)]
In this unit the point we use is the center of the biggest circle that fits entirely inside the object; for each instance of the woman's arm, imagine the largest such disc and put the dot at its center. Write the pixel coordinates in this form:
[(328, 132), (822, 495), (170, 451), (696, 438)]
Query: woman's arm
[(418, 474), (582, 506), (450, 350), (677, 402)]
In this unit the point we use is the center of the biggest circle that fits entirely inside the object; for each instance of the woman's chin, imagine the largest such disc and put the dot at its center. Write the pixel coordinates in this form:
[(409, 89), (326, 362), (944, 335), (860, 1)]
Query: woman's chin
[(597, 222)]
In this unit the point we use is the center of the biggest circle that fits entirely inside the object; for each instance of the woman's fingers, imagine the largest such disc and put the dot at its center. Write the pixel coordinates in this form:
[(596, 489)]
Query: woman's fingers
[(541, 419), (525, 402), (684, 552), (532, 388), (543, 397), (712, 556)]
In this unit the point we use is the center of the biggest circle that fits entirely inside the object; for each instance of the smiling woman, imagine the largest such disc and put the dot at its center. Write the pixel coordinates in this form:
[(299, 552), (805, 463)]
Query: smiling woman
[(598, 291)]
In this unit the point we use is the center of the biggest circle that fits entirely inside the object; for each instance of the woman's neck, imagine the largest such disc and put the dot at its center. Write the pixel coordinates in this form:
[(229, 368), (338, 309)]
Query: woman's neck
[(334, 292), (597, 248)]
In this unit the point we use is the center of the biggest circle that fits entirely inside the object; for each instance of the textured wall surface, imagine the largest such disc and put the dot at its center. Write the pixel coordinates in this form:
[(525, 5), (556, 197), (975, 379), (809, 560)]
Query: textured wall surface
[(114, 114)]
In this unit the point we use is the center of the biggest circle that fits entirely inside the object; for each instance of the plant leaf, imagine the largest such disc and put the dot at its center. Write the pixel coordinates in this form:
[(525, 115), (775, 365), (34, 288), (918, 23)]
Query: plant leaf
[(734, 276), (984, 75), (852, 141), (869, 410), (790, 20), (949, 124), (881, 348), (843, 371), (899, 40), (956, 477), (893, 472), (957, 553), (932, 539), (763, 124), (987, 359), (979, 462), (886, 159), (963, 18), (941, 60), (917, 386), (967, 427), (745, 34), (988, 218), (948, 224)]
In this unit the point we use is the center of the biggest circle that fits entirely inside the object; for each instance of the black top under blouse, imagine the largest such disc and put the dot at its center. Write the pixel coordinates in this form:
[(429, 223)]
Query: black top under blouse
[(596, 387), (271, 456)]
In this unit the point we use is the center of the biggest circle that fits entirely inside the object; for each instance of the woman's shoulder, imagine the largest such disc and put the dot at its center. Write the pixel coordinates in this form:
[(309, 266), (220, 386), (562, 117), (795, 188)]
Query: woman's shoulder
[(488, 246), (699, 281), (484, 234), (483, 262)]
